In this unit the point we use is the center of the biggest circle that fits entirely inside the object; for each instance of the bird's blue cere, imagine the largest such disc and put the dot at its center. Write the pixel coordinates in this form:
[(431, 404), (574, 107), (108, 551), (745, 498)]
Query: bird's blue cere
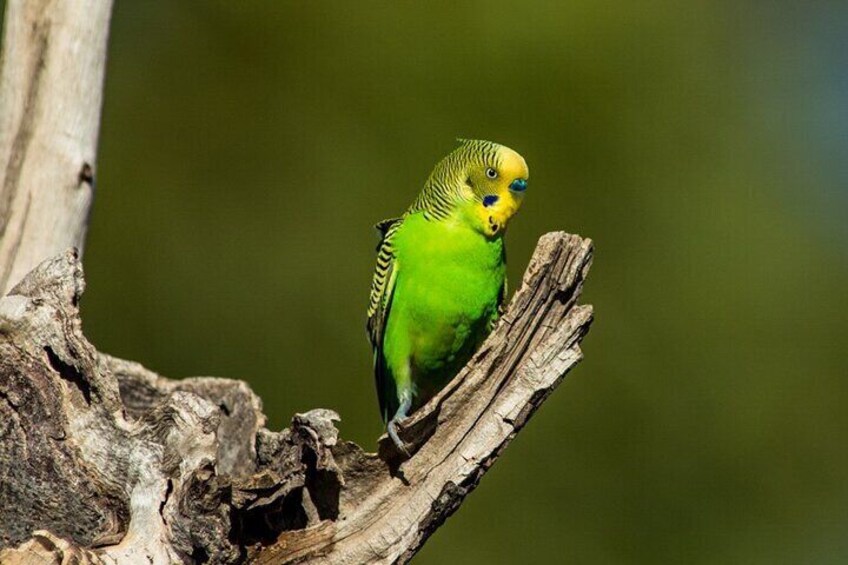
[(489, 199), (518, 185)]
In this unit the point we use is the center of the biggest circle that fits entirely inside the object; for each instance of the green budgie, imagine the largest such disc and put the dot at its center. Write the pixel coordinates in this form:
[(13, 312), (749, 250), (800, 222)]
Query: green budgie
[(441, 275)]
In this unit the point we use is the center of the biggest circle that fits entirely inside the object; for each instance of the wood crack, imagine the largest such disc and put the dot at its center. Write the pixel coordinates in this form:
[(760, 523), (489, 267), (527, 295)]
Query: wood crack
[(23, 136)]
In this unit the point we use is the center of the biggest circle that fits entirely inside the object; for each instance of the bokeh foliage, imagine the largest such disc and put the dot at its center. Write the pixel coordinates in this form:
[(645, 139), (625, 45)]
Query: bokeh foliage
[(248, 147)]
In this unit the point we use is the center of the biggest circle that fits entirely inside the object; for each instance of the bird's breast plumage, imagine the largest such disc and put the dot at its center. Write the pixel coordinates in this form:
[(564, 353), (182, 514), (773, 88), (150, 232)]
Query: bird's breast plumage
[(450, 280)]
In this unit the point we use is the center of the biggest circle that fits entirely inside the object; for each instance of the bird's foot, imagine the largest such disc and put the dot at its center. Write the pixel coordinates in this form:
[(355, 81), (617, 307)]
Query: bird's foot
[(391, 428), (401, 414)]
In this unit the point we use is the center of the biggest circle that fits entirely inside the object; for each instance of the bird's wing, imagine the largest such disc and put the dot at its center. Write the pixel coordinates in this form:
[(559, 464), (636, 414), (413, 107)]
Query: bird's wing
[(382, 288)]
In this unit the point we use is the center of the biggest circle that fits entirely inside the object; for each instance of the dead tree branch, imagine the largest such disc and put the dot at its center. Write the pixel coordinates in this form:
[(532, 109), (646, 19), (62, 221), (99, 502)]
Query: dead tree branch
[(104, 461), (51, 91)]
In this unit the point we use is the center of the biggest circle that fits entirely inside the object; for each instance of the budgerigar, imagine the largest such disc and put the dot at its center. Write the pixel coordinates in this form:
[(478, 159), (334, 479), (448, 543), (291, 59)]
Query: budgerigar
[(441, 275)]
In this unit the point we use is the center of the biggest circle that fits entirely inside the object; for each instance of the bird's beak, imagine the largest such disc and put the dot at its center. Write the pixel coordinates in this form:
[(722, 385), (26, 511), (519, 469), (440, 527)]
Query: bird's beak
[(518, 185)]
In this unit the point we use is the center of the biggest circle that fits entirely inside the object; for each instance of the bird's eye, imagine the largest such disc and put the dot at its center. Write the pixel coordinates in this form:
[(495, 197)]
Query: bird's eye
[(491, 173)]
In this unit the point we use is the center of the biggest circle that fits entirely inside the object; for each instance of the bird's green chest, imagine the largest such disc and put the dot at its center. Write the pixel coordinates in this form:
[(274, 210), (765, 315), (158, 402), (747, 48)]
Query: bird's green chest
[(450, 278)]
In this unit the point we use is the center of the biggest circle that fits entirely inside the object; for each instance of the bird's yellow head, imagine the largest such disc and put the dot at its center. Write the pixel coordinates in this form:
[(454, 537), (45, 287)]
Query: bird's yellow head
[(494, 181)]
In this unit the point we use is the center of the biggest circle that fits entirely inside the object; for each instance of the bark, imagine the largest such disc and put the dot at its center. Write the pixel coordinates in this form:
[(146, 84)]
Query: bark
[(54, 55), (103, 461)]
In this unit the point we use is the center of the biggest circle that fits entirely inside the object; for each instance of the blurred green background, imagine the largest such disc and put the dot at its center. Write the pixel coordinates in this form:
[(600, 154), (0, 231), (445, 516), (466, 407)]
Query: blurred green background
[(247, 148)]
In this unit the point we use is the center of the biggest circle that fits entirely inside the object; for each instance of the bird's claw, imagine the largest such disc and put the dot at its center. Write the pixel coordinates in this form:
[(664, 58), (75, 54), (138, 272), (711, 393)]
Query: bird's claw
[(399, 444)]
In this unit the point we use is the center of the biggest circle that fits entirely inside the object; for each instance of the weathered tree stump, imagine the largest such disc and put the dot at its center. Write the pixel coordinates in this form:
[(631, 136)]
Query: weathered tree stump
[(103, 461)]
